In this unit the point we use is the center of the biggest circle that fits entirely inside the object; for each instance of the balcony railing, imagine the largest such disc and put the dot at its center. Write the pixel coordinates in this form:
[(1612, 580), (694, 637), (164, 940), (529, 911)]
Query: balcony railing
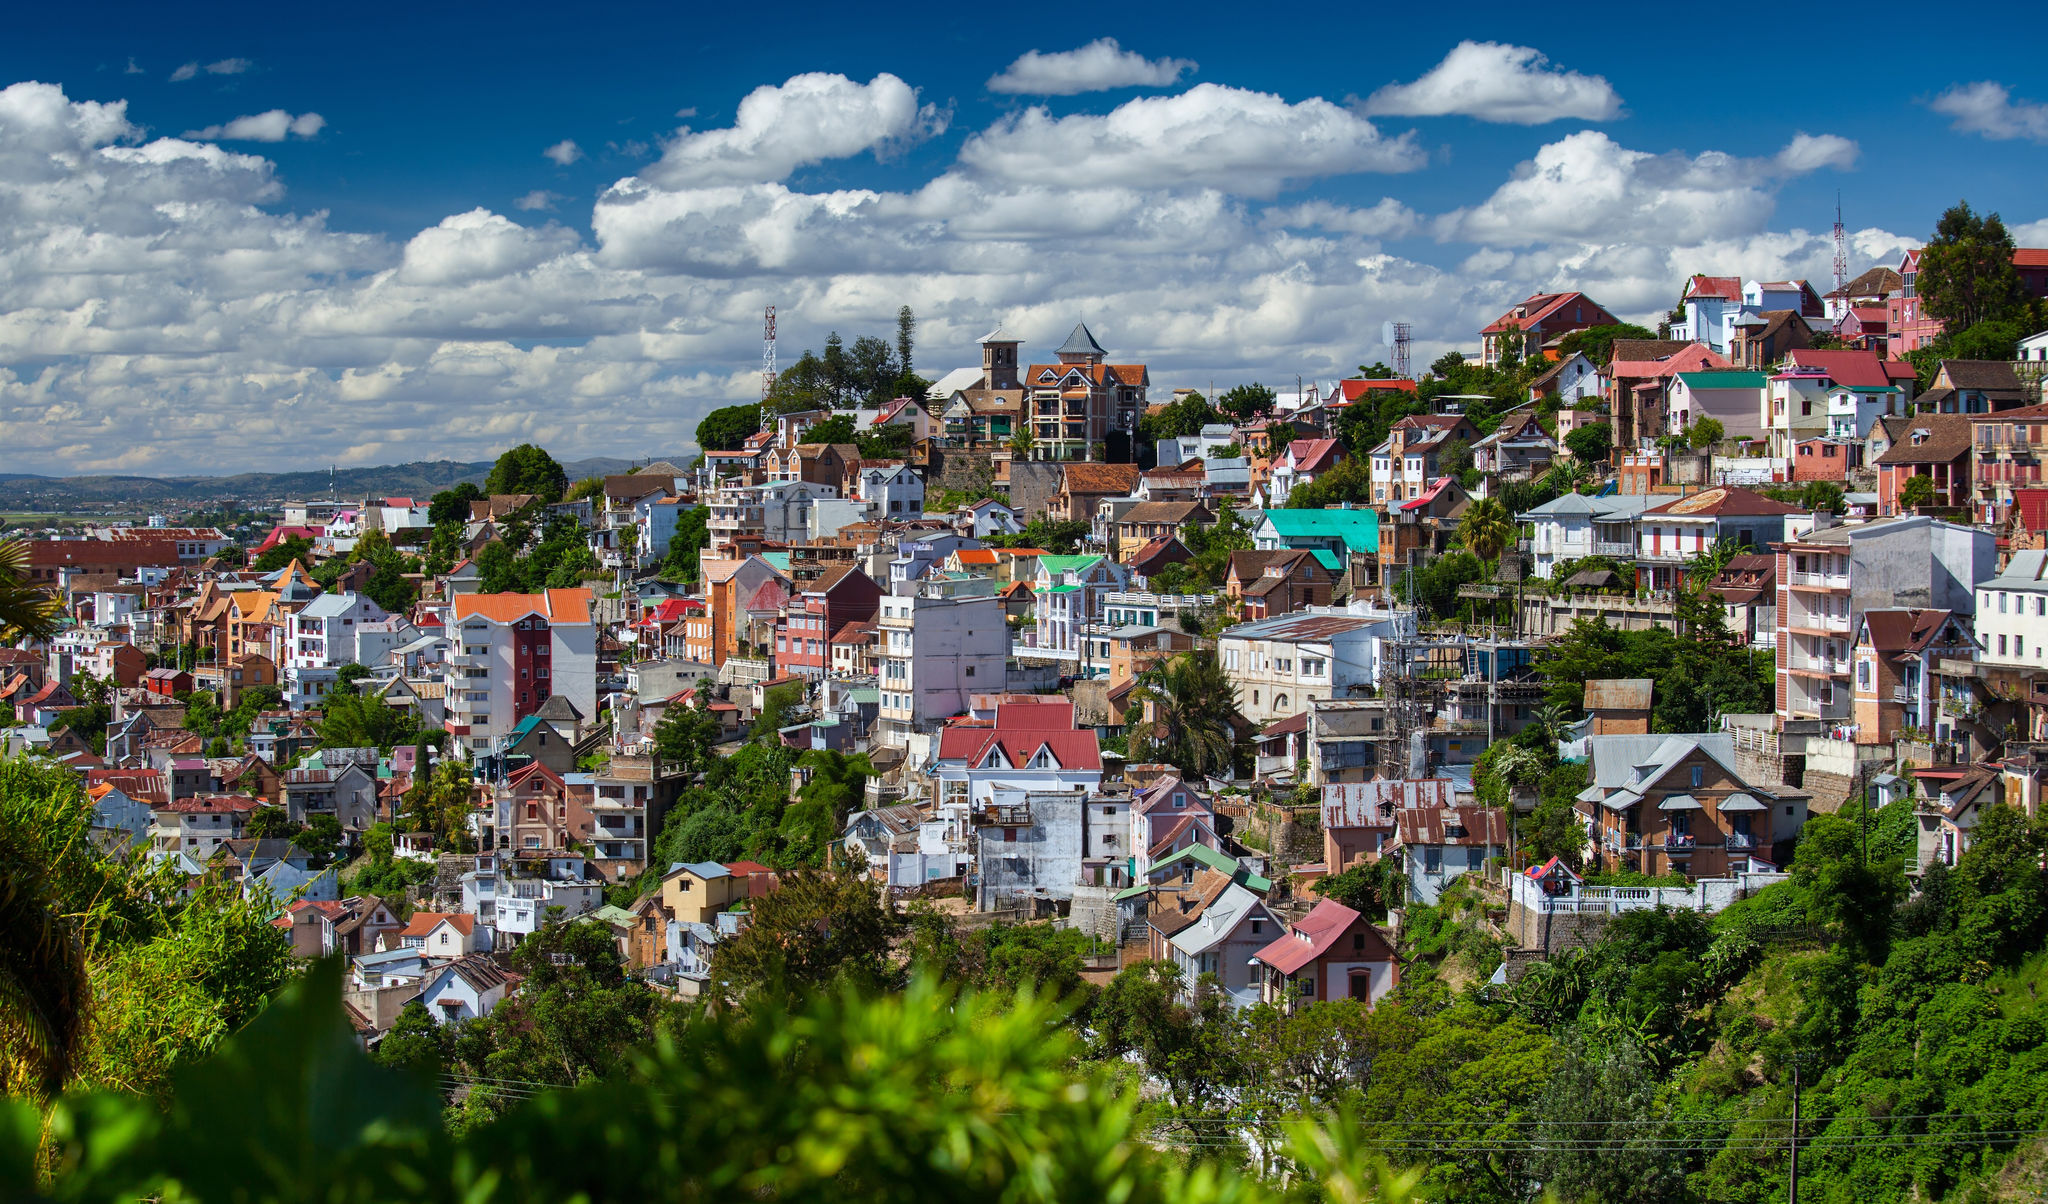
[(1821, 580), (1905, 694), (1609, 547)]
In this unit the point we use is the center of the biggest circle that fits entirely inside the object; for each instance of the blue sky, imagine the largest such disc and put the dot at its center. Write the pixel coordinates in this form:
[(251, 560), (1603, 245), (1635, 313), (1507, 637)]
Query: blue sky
[(346, 240)]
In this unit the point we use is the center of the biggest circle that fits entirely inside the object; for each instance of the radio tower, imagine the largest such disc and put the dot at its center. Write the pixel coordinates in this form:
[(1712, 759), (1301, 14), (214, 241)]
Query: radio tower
[(1841, 256), (768, 353), (1402, 332)]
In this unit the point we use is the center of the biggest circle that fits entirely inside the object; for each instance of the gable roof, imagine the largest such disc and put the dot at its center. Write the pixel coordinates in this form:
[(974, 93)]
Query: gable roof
[(1083, 477), (1314, 935), (1358, 528), (1991, 376), (1947, 438), (1851, 368), (1903, 628), (1728, 288), (1314, 455)]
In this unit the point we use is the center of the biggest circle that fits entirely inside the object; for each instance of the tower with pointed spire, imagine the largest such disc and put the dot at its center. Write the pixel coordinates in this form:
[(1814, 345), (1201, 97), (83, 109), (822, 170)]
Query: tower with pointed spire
[(1081, 347), (1075, 406)]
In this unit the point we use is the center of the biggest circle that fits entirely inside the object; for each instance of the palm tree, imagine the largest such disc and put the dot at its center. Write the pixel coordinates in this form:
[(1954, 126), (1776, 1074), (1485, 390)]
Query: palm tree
[(1549, 719), (26, 610), (1487, 528), (1194, 704), (1566, 476)]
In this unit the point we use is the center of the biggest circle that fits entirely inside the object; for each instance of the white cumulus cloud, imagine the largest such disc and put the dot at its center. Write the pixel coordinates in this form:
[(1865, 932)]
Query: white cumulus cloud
[(1493, 81), (1589, 188), (273, 126), (1096, 67), (806, 119), (539, 198), (159, 300), (563, 153), (1988, 108), (1229, 139)]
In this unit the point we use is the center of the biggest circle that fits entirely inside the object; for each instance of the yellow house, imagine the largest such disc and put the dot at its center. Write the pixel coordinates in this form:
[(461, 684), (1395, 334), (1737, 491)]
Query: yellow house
[(695, 892)]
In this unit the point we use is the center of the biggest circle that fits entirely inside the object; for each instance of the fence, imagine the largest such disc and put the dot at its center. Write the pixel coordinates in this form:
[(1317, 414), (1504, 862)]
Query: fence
[(1707, 894)]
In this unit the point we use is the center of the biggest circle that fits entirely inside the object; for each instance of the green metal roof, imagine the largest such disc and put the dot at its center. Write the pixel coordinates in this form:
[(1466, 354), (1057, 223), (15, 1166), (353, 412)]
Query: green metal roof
[(1359, 529), (779, 559), (1328, 559), (1055, 565), (615, 915), (1222, 863), (1736, 379)]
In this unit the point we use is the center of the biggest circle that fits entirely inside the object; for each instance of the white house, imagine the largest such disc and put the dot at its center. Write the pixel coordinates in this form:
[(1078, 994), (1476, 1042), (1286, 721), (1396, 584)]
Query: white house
[(323, 635), (1440, 844), (1068, 595), (1574, 526), (892, 490), (657, 516), (1280, 665), (1210, 442), (1221, 941), (468, 988), (1032, 746), (2012, 614), (985, 518), (1572, 380)]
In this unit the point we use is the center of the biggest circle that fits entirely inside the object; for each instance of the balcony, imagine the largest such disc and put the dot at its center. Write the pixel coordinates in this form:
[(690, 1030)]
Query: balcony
[(1827, 581), (1905, 695), (1834, 665), (1623, 549)]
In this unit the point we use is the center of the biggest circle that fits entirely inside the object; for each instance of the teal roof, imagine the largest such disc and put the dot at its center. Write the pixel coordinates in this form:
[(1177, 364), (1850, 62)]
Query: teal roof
[(1359, 529), (1736, 379), (779, 559), (1055, 565), (520, 729), (1328, 559), (615, 916), (1222, 863)]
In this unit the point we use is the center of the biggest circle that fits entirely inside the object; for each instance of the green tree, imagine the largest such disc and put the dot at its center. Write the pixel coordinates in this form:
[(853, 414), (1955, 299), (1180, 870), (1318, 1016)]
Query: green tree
[(1487, 528), (692, 536), (685, 735), (452, 505), (906, 339), (1194, 713), (1966, 270), (813, 931), (1822, 495), (528, 469), (1369, 888), (1917, 491), (284, 552), (1591, 443), (836, 429), (726, 429), (26, 610), (1705, 433), (589, 488), (1598, 341), (831, 792), (1246, 402)]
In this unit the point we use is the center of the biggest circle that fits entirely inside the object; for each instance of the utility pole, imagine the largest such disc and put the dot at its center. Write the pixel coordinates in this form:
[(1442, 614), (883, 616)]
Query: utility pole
[(1792, 1190)]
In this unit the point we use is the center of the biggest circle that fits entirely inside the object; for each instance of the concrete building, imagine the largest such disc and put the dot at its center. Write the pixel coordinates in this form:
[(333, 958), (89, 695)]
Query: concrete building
[(514, 652), (1829, 576), (1280, 666), (942, 643)]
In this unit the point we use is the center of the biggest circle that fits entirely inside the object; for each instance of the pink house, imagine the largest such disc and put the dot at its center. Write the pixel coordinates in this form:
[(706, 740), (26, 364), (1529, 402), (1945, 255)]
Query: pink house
[(1332, 952)]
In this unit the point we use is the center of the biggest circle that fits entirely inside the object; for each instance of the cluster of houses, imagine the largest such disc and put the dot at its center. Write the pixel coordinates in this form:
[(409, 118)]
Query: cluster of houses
[(991, 683)]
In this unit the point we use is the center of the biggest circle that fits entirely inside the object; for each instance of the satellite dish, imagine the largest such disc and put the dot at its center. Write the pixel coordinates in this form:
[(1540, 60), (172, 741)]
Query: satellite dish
[(1386, 334)]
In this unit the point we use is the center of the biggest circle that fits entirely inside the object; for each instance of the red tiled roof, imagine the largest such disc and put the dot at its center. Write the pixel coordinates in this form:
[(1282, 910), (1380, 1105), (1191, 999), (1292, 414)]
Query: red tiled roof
[(2030, 257), (1352, 390), (1309, 937), (1851, 369), (1313, 455), (555, 605), (1728, 288)]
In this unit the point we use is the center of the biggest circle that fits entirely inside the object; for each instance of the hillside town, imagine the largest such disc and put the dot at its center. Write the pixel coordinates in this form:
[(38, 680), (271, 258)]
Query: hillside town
[(1590, 620)]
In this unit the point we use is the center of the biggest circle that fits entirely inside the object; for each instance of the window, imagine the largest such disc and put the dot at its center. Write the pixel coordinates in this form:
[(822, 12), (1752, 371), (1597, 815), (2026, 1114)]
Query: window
[(1432, 860), (1258, 927), (1358, 942)]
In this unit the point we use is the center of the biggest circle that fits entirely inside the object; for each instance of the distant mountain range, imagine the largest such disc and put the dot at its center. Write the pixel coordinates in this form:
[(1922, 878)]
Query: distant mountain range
[(422, 478)]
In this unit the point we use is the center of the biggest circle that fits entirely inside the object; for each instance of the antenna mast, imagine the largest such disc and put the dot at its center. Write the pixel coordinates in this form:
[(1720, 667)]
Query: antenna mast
[(768, 353), (1841, 256), (1403, 333)]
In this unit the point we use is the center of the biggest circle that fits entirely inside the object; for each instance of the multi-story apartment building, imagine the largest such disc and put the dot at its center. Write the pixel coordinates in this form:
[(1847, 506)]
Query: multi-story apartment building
[(941, 643), (198, 826), (1830, 575), (1898, 655), (892, 490), (1068, 593), (1074, 405), (2007, 452), (1280, 666), (324, 634), (778, 511), (513, 652), (1408, 460), (718, 633), (818, 611)]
